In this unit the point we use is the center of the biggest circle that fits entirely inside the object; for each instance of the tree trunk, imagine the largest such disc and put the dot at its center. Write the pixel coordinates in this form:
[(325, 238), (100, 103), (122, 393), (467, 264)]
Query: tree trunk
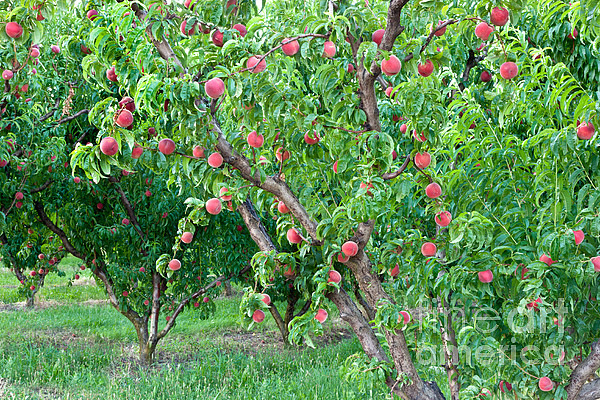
[(228, 289), (30, 301), (147, 347)]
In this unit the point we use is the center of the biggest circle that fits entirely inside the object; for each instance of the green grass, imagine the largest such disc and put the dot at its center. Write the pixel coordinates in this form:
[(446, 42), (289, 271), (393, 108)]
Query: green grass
[(89, 352)]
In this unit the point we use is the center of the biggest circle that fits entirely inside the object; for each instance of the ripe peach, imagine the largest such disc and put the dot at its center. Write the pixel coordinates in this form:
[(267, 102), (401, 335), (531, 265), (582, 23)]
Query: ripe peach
[(505, 387), (19, 195), (547, 260), (585, 131), (282, 208), (293, 236), (334, 277), (7, 74), (241, 29), (545, 384), (142, 270), (485, 76), (440, 32), (215, 160), (217, 38), (109, 146), (428, 249), (425, 69), (499, 16), (404, 317), (290, 48), (335, 167), (214, 88), (127, 103), (34, 52), (187, 237), (111, 75), (485, 276), (222, 194), (174, 264), (422, 160), (92, 15), (403, 128), (395, 271), (443, 218), (14, 30), (125, 221), (329, 49), (258, 316), (213, 206), (391, 66), (166, 146), (350, 68), (377, 36), (573, 35), (350, 248), (185, 30), (596, 263), (255, 140), (124, 118), (198, 152), (483, 31), (342, 258), (256, 65), (433, 190), (55, 49), (281, 154), (311, 138), (509, 70), (266, 299), (321, 315), (579, 236), (136, 152)]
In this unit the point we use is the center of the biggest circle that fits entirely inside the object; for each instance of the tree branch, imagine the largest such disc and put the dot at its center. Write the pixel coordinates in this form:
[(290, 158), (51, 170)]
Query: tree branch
[(584, 371), (391, 175), (72, 117), (51, 112), (39, 208), (129, 209), (273, 185), (42, 187), (164, 48)]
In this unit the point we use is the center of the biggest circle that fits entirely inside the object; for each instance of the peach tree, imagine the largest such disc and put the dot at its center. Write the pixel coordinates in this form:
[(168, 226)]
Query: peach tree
[(121, 227), (432, 166)]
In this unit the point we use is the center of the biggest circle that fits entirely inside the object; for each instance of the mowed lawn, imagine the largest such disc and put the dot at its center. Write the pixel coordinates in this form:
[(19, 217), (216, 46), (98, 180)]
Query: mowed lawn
[(75, 346)]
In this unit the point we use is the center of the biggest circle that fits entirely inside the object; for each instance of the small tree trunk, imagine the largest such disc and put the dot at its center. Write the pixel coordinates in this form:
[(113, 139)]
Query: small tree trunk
[(228, 289), (30, 301), (283, 329), (146, 347)]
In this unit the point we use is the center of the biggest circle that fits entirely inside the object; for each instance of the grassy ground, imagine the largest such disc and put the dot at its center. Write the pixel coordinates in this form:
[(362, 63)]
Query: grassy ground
[(71, 348)]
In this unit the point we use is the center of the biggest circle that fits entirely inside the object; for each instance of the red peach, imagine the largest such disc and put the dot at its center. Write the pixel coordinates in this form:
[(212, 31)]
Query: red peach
[(213, 206), (350, 248), (215, 160), (214, 88), (290, 48)]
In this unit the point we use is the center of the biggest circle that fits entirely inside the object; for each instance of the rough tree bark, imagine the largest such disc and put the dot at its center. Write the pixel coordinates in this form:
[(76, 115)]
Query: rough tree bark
[(578, 389)]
